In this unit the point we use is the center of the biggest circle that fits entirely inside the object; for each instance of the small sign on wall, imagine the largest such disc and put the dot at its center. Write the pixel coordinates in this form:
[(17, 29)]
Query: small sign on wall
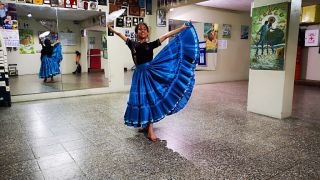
[(312, 37)]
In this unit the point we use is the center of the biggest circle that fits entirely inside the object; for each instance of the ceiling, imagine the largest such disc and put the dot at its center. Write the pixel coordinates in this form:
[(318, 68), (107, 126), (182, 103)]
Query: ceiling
[(242, 5), (47, 12)]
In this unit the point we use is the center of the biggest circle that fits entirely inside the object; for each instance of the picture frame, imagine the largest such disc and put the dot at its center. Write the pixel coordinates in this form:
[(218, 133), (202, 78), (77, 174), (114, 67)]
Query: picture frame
[(134, 11), (161, 18), (135, 21), (142, 12), (125, 13)]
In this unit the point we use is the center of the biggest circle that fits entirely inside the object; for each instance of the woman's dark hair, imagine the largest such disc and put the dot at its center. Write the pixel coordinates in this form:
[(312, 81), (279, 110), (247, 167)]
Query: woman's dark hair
[(47, 42), (78, 53), (137, 27)]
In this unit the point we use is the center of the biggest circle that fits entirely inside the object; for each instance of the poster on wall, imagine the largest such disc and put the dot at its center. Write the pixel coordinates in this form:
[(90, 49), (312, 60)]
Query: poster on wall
[(226, 31), (8, 16), (104, 45), (26, 41), (268, 37), (161, 18), (10, 37), (211, 37), (244, 32)]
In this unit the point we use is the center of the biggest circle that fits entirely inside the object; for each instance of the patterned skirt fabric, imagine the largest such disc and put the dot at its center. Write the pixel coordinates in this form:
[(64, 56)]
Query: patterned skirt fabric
[(164, 85), (51, 65)]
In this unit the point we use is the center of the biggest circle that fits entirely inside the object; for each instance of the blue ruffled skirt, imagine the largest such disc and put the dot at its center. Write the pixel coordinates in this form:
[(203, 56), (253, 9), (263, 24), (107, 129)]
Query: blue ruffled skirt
[(50, 66), (164, 85)]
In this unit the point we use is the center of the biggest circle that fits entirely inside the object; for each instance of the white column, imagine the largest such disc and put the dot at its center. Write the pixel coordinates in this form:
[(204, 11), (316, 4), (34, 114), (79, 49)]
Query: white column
[(270, 92)]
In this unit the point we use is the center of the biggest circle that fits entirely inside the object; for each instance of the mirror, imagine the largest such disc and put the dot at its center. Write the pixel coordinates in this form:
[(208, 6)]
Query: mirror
[(83, 37), (24, 56)]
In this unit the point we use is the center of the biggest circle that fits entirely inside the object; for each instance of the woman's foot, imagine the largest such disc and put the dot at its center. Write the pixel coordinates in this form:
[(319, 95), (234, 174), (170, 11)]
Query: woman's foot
[(45, 80), (151, 135)]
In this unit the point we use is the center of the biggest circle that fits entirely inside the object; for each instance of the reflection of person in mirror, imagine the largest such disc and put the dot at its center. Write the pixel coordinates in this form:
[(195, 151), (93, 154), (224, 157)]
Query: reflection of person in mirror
[(77, 59), (51, 56), (154, 91), (3, 13)]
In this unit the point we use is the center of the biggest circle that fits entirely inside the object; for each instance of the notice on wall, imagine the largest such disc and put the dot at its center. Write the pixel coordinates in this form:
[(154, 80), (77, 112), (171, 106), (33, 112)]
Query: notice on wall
[(222, 44), (10, 37), (312, 37), (67, 39)]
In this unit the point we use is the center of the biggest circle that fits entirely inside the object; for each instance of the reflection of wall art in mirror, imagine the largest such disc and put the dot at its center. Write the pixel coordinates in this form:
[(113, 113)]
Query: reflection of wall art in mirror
[(142, 12), (26, 41), (161, 18), (134, 11), (21, 1), (102, 2), (135, 21), (54, 3), (141, 3), (125, 13), (28, 1), (93, 5), (141, 20), (38, 2), (112, 1), (47, 1), (114, 7), (103, 21), (110, 33), (61, 3), (104, 45), (119, 22), (149, 7), (67, 3)]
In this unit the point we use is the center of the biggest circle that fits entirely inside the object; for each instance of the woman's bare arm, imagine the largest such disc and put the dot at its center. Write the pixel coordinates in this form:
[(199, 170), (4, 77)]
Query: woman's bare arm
[(165, 36), (118, 33)]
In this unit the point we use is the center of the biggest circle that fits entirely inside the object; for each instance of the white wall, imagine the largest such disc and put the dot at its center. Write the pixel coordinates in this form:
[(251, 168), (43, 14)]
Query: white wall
[(233, 62), (30, 63)]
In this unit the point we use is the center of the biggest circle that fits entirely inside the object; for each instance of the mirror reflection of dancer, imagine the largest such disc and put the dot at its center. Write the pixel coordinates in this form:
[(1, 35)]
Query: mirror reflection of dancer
[(78, 69), (163, 85), (51, 56), (263, 34)]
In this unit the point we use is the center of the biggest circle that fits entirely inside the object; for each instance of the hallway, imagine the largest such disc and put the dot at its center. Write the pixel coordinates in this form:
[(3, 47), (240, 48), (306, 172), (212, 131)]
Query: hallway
[(214, 137)]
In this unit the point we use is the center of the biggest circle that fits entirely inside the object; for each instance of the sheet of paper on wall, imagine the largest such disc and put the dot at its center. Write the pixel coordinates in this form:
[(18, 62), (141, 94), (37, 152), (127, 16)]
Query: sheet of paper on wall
[(312, 37), (222, 44)]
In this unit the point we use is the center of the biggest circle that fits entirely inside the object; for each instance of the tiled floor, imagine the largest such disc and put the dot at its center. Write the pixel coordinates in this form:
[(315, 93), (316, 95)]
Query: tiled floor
[(214, 137)]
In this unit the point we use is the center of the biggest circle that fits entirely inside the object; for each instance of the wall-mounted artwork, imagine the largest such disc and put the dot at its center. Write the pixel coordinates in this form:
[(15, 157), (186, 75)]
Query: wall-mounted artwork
[(244, 32), (161, 18), (211, 37), (26, 42), (128, 21), (149, 7), (226, 31), (268, 37), (135, 21), (134, 11), (142, 12), (120, 22)]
